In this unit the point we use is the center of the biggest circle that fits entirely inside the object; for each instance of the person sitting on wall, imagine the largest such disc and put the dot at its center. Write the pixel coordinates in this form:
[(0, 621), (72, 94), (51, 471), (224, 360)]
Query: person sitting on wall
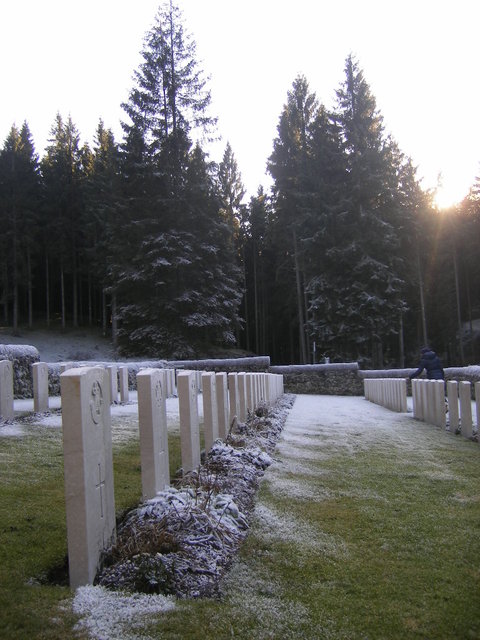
[(432, 365)]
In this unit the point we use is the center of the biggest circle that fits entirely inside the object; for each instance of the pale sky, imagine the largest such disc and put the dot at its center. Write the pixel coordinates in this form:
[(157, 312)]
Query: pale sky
[(420, 58)]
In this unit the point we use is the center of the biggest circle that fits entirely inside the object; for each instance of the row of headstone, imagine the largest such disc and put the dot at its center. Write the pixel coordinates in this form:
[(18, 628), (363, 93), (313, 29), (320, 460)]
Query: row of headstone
[(117, 379), (387, 392), (226, 398), (86, 399), (429, 404)]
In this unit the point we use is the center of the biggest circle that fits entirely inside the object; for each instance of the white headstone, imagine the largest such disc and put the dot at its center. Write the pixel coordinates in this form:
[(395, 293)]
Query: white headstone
[(233, 397), (112, 371), (6, 390), (222, 404), (210, 409), (123, 381), (464, 392), (87, 448), (152, 418), (242, 396), (453, 416), (189, 426), (40, 386)]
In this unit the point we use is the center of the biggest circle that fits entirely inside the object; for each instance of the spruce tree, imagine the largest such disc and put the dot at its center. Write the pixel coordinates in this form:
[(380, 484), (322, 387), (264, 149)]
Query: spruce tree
[(19, 202), (171, 293)]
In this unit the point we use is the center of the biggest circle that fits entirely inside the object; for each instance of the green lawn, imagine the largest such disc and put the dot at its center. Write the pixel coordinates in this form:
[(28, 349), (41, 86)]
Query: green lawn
[(377, 541)]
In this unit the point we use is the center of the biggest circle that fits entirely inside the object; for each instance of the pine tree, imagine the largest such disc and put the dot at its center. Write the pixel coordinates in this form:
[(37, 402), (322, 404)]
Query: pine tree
[(19, 199), (63, 177), (366, 287), (289, 165), (171, 284)]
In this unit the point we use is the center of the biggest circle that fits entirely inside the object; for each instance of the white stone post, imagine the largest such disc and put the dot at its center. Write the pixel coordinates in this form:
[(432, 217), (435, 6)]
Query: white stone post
[(87, 448), (112, 372), (123, 380), (464, 392), (222, 404), (210, 409), (242, 396), (189, 427), (6, 390), (477, 405), (152, 420), (233, 396), (452, 394), (440, 413), (40, 386)]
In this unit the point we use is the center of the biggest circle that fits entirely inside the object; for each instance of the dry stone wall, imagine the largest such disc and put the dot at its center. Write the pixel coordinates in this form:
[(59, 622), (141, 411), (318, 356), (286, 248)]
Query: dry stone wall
[(22, 357), (337, 379)]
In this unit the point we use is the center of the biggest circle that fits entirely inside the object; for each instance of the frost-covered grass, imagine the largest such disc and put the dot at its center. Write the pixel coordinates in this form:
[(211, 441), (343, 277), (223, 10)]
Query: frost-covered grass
[(366, 526), (35, 602), (381, 542)]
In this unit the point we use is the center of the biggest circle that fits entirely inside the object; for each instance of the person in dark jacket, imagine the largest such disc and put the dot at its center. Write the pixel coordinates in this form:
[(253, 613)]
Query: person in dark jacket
[(432, 365)]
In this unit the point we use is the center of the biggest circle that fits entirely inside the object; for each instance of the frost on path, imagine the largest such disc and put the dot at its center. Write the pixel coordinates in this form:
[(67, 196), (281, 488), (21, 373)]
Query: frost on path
[(108, 615)]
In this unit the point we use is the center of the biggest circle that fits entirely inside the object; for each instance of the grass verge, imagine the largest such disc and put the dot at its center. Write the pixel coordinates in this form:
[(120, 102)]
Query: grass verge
[(370, 538)]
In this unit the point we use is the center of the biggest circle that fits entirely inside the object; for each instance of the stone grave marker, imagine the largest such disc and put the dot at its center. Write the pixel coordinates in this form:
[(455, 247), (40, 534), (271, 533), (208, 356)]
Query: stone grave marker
[(242, 396), (453, 416), (123, 381), (189, 425), (464, 392), (233, 397), (87, 448), (40, 386), (222, 404), (152, 418), (113, 373), (210, 409), (6, 390)]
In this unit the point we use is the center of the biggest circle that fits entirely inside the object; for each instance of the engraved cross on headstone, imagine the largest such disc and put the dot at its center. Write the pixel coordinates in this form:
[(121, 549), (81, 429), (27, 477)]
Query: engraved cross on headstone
[(100, 486)]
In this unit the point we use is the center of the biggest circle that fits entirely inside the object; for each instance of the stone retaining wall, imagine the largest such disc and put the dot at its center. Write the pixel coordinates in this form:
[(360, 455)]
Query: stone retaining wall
[(22, 357), (337, 379)]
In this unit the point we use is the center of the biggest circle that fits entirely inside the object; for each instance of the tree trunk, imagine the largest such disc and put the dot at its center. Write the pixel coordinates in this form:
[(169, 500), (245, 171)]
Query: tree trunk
[(255, 299), (301, 323), (62, 296), (401, 343), (104, 313), (30, 288), (47, 290), (5, 292), (457, 296), (114, 321), (422, 296)]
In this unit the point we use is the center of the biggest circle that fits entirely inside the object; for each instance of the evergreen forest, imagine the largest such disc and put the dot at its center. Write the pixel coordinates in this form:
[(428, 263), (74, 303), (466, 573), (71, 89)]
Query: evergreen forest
[(344, 258)]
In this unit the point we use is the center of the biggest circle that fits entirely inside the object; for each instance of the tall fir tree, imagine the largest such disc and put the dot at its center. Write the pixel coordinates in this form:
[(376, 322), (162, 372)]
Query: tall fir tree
[(19, 203), (170, 219)]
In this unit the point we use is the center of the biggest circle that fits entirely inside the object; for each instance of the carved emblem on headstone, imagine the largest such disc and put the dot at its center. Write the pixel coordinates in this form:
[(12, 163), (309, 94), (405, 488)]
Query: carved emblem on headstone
[(158, 393), (96, 402)]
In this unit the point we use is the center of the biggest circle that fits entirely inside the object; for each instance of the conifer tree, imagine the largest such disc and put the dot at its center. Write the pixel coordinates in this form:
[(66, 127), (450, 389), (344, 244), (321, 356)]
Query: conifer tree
[(19, 202), (168, 296), (63, 173), (367, 283), (289, 165)]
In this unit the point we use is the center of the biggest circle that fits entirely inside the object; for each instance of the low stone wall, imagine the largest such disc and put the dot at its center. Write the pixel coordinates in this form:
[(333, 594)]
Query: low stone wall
[(259, 364), (337, 379), (22, 357)]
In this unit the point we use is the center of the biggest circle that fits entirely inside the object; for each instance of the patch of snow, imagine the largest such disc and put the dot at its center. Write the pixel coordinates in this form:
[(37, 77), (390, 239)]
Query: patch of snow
[(281, 526), (10, 430), (108, 615)]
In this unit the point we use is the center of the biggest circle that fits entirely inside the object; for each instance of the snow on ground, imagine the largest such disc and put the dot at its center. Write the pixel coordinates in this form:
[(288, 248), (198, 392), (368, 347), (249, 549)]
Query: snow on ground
[(107, 615), (124, 417), (55, 346)]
